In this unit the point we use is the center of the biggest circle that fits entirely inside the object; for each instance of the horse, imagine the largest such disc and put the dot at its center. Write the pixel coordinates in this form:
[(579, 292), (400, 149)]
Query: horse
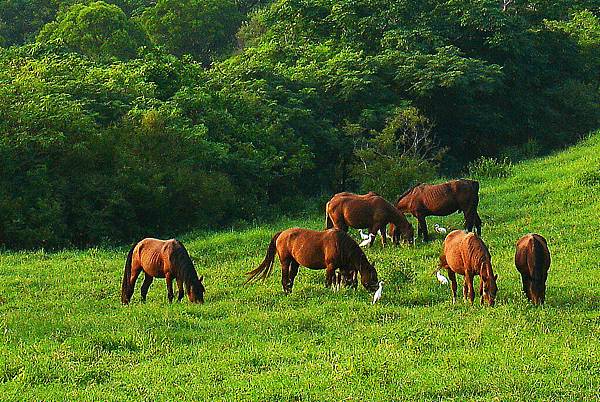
[(161, 259), (466, 254), (440, 200), (532, 260), (329, 249), (369, 211)]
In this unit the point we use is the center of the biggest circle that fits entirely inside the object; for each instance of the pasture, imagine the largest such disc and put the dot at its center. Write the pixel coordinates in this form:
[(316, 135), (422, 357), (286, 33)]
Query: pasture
[(65, 335)]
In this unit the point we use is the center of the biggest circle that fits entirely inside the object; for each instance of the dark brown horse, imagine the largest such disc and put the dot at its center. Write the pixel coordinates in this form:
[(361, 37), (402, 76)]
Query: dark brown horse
[(440, 200), (368, 211), (532, 260), (161, 259), (466, 254), (330, 250)]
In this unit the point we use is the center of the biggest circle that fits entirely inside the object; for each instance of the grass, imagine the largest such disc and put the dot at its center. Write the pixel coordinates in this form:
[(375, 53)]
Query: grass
[(64, 334)]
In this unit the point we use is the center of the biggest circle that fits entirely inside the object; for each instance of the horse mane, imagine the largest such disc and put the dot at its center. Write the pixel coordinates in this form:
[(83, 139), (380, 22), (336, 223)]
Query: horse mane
[(184, 261), (351, 252), (407, 192)]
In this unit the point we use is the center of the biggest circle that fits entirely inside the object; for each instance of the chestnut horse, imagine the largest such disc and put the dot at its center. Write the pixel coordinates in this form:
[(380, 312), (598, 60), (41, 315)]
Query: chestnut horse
[(440, 200), (330, 250), (368, 211), (466, 254), (161, 259), (532, 260)]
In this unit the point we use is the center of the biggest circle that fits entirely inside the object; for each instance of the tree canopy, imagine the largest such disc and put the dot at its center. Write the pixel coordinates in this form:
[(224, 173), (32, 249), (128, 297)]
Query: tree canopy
[(129, 118)]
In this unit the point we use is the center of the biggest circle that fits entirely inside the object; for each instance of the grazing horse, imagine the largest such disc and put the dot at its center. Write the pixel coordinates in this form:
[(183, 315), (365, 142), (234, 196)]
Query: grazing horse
[(532, 260), (161, 259), (330, 250), (440, 200), (466, 254), (366, 211)]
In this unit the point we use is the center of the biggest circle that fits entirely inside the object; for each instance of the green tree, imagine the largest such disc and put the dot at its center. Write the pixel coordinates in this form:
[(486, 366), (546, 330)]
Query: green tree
[(98, 30), (203, 28)]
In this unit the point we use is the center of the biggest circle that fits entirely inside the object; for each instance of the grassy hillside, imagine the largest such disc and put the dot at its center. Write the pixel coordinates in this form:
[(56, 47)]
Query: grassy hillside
[(64, 334)]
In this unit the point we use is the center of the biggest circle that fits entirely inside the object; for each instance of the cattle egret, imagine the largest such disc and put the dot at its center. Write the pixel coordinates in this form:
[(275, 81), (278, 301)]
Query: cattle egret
[(441, 278), (368, 240), (378, 293), (363, 235), (440, 229)]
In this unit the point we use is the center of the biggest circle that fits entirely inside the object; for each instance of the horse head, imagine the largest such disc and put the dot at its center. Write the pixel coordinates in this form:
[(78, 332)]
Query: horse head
[(196, 290), (537, 291), (368, 275), (403, 232), (489, 288)]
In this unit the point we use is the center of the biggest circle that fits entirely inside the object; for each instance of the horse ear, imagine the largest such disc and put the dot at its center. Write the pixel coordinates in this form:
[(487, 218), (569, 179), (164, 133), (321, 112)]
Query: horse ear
[(201, 278)]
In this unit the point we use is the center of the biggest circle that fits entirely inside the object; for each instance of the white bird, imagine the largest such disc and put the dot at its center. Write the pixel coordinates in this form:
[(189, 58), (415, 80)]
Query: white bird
[(440, 229), (378, 293), (364, 236), (441, 278), (368, 240)]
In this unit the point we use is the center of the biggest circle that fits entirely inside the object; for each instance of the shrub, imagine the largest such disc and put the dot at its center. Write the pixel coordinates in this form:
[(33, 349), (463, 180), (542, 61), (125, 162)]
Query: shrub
[(490, 168)]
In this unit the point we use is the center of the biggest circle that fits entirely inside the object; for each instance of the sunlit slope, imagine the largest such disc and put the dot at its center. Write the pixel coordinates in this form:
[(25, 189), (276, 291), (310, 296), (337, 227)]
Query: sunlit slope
[(64, 334)]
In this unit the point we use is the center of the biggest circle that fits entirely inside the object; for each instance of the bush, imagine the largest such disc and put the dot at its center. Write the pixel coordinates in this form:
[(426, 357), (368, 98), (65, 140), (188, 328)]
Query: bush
[(490, 168), (402, 154)]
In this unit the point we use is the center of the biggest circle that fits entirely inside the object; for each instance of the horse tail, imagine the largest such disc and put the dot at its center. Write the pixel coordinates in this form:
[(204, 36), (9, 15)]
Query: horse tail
[(265, 267), (535, 262), (328, 221), (126, 276)]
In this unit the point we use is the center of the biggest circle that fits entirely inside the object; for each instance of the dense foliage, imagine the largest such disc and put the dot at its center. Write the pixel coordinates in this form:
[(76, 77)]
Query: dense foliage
[(131, 117)]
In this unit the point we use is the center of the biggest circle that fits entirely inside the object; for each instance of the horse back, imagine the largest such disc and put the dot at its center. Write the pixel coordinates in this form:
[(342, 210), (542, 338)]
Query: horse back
[(155, 255), (444, 198), (465, 252), (314, 249), (532, 256)]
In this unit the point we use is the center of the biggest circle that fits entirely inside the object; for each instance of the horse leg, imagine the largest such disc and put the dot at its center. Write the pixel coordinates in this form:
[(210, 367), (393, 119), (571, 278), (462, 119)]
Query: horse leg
[(526, 285), (330, 276), (146, 285), (293, 272), (169, 279), (477, 223), (453, 284), (179, 289), (422, 228), (468, 221), (373, 230), (383, 236), (469, 288), (285, 275)]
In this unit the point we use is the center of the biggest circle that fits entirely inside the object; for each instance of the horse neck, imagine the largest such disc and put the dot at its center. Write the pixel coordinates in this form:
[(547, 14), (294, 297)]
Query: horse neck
[(396, 218), (486, 271), (403, 202)]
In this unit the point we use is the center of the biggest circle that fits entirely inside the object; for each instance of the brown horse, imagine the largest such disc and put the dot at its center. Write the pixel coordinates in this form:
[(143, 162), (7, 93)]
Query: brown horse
[(368, 211), (466, 254), (532, 260), (161, 259), (330, 250), (440, 200)]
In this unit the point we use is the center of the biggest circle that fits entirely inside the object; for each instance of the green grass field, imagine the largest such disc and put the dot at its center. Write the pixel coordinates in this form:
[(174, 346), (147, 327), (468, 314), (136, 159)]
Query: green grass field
[(65, 335)]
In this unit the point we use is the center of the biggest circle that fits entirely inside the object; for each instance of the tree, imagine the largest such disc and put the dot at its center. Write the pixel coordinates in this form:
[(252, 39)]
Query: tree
[(98, 30), (203, 28)]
